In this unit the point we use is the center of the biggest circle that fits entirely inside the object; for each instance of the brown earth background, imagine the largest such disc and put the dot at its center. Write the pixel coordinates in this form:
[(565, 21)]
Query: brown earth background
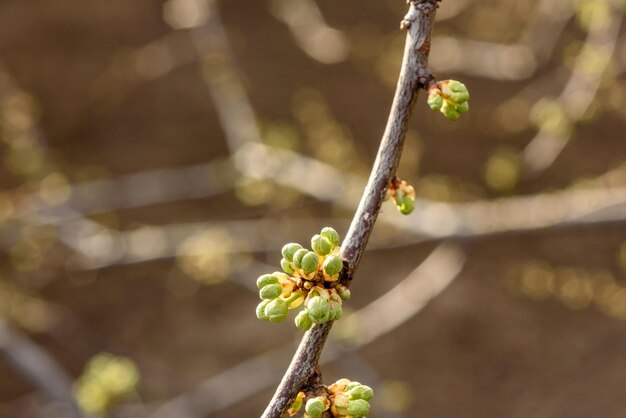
[(126, 226)]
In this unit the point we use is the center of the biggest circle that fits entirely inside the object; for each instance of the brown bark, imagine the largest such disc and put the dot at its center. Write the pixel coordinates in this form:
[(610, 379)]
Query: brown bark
[(414, 74)]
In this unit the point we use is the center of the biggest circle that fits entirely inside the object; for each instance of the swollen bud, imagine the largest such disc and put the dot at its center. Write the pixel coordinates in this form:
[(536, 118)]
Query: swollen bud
[(333, 265), (271, 291), (315, 406), (352, 385), (343, 292), (341, 385), (309, 262), (303, 321), (406, 206), (321, 245), (289, 250), (335, 311), (463, 107), (318, 309), (276, 310), (265, 280), (435, 101), (455, 91), (361, 392), (450, 97), (449, 111), (358, 408), (260, 310), (297, 257), (286, 266), (331, 235), (341, 401)]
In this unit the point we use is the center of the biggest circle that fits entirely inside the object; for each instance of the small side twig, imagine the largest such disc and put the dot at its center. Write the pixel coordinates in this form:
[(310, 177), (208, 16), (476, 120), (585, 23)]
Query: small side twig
[(414, 74)]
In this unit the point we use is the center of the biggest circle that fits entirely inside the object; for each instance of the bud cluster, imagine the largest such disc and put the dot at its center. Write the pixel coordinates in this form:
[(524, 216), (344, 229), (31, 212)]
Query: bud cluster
[(403, 195), (106, 380), (310, 277), (345, 399), (450, 97)]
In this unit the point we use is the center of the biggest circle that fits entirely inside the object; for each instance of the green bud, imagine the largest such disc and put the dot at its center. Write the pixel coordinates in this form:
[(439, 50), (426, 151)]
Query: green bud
[(271, 291), (276, 310), (459, 98), (310, 262), (265, 280), (455, 91), (407, 205), (303, 321), (352, 385), (333, 265), (358, 408), (286, 266), (450, 111), (321, 245), (435, 101), (297, 257), (260, 310), (460, 94), (315, 406), (456, 86), (361, 392), (462, 107), (289, 250), (336, 311), (331, 235), (318, 309), (343, 292), (341, 401)]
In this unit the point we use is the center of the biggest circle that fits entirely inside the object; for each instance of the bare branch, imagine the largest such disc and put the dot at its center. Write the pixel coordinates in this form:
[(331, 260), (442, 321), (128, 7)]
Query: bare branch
[(439, 219), (414, 74)]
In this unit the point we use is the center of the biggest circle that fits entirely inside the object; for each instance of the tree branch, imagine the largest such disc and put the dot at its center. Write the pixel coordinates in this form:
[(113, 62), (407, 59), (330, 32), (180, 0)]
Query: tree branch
[(414, 74)]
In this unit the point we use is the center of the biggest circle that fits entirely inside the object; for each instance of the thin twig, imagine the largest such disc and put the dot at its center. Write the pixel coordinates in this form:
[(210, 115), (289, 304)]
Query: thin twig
[(234, 109), (414, 74), (307, 26)]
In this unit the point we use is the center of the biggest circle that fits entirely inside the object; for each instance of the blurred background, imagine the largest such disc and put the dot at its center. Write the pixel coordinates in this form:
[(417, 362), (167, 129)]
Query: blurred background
[(156, 155)]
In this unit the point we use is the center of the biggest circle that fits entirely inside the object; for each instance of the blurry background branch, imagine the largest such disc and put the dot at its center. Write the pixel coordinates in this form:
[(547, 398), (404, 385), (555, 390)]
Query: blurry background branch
[(133, 203), (557, 118), (36, 366), (499, 61), (595, 203)]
